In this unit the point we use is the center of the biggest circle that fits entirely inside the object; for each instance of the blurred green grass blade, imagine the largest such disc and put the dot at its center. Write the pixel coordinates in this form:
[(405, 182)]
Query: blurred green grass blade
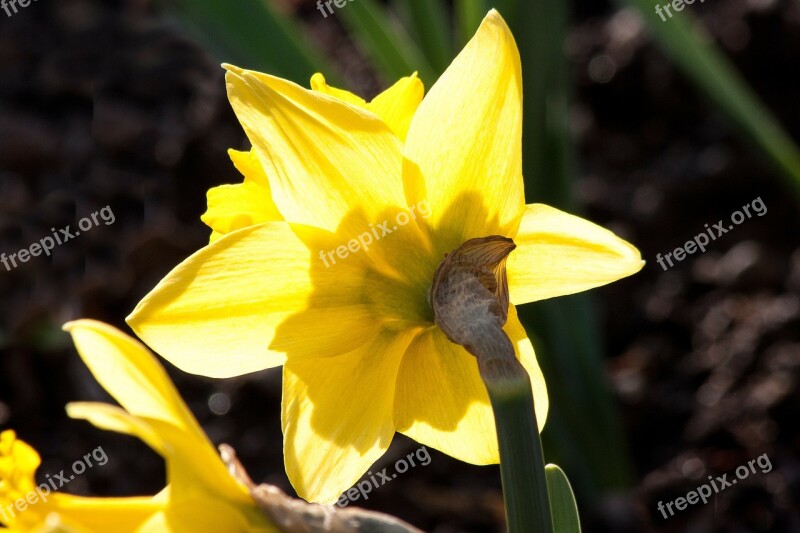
[(385, 42), (583, 430), (469, 14), (431, 27), (685, 42), (540, 29), (254, 35), (562, 501)]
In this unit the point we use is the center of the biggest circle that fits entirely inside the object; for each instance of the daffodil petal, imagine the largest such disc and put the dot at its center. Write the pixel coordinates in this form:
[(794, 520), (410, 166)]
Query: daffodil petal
[(320, 85), (214, 516), (232, 207), (219, 312), (524, 348), (121, 515), (325, 159), (181, 450), (112, 418), (184, 454), (441, 401), (249, 166), (130, 373), (18, 465), (464, 146), (333, 430), (204, 514), (558, 254), (397, 104)]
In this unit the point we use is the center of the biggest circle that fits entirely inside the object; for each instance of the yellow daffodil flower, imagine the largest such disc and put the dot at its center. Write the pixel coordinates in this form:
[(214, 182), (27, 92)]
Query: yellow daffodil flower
[(200, 496), (325, 269)]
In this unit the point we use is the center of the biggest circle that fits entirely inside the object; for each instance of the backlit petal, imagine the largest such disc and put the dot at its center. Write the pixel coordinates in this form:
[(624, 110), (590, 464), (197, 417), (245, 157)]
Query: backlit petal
[(112, 418), (232, 207), (558, 254), (337, 415), (441, 401), (130, 373), (218, 312), (395, 106), (325, 159), (319, 84), (120, 515), (463, 149), (182, 451)]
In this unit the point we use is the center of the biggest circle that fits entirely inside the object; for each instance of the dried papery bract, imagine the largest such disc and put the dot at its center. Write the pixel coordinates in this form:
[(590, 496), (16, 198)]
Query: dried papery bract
[(469, 297), (291, 515)]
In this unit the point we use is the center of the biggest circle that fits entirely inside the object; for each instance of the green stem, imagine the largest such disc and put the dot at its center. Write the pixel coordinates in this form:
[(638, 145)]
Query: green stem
[(521, 458)]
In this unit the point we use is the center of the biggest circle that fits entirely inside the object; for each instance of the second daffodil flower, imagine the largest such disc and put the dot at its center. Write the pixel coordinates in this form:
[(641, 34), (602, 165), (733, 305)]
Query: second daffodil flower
[(283, 283), (200, 496)]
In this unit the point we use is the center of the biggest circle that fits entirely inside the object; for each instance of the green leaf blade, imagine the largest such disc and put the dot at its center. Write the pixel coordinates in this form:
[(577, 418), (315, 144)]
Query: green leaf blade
[(562, 501)]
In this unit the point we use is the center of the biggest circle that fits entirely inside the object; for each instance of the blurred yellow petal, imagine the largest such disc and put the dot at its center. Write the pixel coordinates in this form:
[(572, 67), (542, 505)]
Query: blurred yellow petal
[(130, 373), (18, 464), (96, 515), (337, 415), (464, 147), (218, 313), (195, 472), (442, 402), (325, 159), (187, 478), (47, 510), (216, 516), (112, 418), (558, 254)]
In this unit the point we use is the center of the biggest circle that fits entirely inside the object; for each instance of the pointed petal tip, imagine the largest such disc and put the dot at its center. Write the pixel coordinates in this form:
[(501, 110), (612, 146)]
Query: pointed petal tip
[(494, 16), (232, 68), (91, 323)]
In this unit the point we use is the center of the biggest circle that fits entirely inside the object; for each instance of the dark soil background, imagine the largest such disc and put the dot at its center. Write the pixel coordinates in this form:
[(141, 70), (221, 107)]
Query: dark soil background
[(110, 103)]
